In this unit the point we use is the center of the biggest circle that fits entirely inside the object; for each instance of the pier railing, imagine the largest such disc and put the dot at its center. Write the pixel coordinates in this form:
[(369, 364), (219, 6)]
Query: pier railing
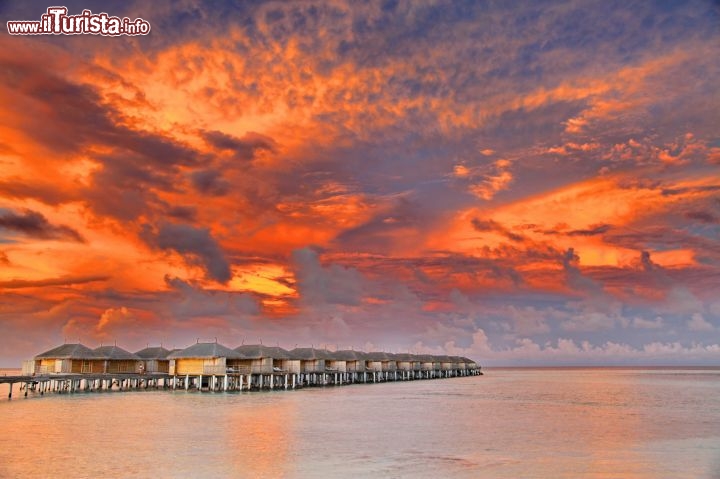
[(312, 369), (243, 369), (254, 369), (214, 370)]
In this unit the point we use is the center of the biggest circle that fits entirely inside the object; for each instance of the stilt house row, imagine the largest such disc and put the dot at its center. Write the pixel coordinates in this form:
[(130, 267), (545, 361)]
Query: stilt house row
[(214, 359)]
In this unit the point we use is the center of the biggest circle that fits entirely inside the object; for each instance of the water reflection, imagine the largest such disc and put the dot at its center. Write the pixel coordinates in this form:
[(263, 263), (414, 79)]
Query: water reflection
[(507, 424), (257, 437)]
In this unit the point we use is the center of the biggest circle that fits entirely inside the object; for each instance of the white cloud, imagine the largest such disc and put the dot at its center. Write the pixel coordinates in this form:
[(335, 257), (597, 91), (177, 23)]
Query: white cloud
[(640, 323), (698, 323), (589, 321)]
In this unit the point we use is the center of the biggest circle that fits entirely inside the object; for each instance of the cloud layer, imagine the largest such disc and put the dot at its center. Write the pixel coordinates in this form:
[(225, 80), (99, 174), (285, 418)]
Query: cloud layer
[(516, 183)]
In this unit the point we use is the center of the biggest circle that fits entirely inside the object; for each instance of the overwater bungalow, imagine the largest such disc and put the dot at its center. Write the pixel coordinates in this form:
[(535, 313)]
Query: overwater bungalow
[(344, 360), (392, 361), (470, 365), (404, 362), (366, 361), (446, 365), (202, 358), (416, 365), (334, 362), (390, 365), (256, 358), (426, 364), (437, 364), (458, 364), (311, 360), (154, 359), (379, 362), (283, 360), (362, 361), (118, 360), (312, 365), (68, 358), (354, 364)]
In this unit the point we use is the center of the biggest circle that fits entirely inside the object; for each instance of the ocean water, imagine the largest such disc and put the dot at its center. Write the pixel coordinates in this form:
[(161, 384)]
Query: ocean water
[(510, 423)]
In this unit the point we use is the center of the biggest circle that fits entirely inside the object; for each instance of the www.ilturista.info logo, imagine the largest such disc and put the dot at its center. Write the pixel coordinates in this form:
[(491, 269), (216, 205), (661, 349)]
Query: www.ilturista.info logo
[(57, 22)]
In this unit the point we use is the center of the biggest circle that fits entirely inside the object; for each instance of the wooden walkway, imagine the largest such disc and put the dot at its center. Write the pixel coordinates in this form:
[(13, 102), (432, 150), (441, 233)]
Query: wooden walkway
[(230, 381), (83, 382)]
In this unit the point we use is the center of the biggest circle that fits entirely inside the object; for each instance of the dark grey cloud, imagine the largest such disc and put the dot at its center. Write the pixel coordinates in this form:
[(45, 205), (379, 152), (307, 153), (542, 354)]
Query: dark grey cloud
[(61, 281), (192, 301), (182, 212), (196, 244), (332, 284), (664, 238), (47, 193), (378, 233), (647, 262), (244, 148), (436, 269), (702, 216), (594, 230), (690, 189), (34, 224), (494, 226), (575, 277), (210, 182)]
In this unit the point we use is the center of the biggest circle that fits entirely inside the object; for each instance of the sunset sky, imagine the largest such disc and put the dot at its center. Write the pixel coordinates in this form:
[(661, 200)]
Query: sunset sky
[(518, 182)]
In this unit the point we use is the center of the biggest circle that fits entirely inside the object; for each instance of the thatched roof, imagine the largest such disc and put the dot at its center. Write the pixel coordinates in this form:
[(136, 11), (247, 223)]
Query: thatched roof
[(407, 357), (377, 356), (250, 351), (157, 352), (205, 350), (345, 355), (69, 351), (308, 354), (258, 351), (115, 353), (279, 353)]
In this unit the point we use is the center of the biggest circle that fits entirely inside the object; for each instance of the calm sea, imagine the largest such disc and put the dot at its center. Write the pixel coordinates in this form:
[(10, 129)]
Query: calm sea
[(510, 423)]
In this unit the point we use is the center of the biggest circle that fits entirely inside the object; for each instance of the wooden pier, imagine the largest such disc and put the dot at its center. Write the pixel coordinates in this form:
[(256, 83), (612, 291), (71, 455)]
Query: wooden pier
[(230, 381), (70, 383)]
